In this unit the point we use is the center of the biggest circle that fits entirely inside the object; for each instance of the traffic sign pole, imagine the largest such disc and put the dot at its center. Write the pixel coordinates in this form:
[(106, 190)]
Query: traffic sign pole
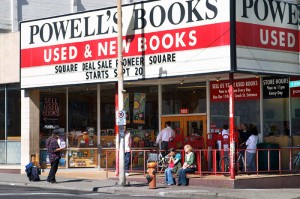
[(122, 180)]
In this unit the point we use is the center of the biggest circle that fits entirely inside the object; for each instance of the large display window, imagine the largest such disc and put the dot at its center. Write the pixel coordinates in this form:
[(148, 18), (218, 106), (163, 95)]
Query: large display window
[(2, 126), (10, 124), (246, 102), (276, 106), (188, 96), (82, 122), (52, 117)]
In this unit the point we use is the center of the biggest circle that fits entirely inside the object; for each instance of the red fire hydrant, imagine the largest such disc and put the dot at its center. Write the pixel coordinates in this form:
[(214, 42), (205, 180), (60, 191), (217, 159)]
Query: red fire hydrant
[(151, 177)]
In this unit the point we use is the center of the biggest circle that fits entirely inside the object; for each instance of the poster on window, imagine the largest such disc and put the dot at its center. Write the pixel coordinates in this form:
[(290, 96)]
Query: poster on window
[(244, 89), (50, 111), (275, 87), (139, 108), (126, 107)]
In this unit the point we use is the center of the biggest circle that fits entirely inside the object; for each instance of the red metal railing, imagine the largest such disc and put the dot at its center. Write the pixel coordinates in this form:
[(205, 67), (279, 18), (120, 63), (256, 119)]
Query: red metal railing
[(281, 156)]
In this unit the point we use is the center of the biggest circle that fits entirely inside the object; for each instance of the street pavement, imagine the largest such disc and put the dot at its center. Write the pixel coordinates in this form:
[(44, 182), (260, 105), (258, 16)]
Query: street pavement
[(95, 182)]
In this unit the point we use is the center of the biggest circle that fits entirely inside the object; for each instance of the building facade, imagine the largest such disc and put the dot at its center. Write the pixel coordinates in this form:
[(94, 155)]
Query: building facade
[(176, 68)]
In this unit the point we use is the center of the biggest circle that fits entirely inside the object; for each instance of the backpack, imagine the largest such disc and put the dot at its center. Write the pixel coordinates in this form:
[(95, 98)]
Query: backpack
[(33, 173)]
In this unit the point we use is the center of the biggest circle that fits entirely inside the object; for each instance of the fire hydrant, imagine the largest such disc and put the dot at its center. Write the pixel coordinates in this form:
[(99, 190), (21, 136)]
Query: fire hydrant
[(151, 177)]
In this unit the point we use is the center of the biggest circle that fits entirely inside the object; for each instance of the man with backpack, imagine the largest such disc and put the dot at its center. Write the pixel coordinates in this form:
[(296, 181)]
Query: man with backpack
[(53, 150)]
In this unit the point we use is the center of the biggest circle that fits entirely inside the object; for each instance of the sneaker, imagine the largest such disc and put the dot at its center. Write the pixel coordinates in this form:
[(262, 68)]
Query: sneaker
[(126, 174)]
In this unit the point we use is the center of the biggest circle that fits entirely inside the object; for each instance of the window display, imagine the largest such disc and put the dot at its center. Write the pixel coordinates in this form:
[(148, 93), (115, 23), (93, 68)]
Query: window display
[(83, 158), (276, 93), (246, 102), (184, 96)]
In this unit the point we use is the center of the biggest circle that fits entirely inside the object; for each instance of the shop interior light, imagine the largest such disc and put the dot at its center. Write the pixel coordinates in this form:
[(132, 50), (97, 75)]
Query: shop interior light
[(181, 82)]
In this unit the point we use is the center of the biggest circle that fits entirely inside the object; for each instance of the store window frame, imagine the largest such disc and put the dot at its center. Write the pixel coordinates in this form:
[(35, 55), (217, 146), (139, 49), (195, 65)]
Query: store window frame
[(182, 84), (6, 88)]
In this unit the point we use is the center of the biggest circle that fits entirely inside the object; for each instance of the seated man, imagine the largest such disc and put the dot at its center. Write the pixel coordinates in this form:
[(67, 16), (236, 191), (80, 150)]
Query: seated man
[(174, 166)]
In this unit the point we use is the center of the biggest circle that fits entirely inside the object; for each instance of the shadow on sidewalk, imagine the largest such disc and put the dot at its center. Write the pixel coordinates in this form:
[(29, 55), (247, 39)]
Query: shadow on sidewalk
[(77, 180), (95, 189)]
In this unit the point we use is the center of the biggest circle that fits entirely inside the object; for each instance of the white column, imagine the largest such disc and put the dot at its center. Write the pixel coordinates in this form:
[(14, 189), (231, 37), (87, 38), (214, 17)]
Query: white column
[(30, 121)]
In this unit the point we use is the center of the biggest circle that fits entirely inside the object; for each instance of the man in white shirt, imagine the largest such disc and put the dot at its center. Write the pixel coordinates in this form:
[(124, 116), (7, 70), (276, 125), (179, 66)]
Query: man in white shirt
[(127, 150), (164, 136)]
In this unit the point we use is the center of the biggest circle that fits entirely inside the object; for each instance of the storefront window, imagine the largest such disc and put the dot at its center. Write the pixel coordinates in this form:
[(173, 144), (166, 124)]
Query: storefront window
[(276, 106), (190, 97), (10, 141), (82, 137), (14, 114), (246, 102), (2, 113), (2, 126), (52, 116), (295, 113), (141, 106), (13, 125)]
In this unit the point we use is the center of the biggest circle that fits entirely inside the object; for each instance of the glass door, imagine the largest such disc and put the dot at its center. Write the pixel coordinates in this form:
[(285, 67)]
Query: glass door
[(187, 126)]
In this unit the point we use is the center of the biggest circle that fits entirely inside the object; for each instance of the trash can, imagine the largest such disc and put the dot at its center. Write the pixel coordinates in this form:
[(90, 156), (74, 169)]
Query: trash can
[(263, 156)]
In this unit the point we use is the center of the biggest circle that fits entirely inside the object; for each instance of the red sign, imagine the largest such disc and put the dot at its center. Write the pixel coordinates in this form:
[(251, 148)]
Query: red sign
[(244, 89), (295, 92), (184, 111)]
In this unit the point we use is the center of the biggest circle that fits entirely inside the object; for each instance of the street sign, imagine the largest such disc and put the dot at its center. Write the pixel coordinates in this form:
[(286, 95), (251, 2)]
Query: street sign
[(120, 118), (294, 84)]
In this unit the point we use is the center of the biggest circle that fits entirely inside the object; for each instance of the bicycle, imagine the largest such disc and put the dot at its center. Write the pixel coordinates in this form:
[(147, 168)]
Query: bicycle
[(224, 163), (296, 162), (162, 162)]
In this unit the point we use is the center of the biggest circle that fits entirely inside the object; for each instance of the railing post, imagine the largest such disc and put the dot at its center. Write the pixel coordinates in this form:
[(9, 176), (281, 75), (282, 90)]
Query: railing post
[(200, 170), (130, 160), (106, 163), (290, 159), (279, 166), (144, 163), (257, 162), (268, 160)]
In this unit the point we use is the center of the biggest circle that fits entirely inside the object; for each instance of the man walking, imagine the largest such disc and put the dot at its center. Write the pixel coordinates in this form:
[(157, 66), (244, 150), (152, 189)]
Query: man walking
[(54, 155), (164, 137)]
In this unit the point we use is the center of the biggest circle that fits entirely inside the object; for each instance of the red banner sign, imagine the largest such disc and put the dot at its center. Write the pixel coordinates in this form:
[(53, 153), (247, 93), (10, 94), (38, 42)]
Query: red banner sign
[(244, 89)]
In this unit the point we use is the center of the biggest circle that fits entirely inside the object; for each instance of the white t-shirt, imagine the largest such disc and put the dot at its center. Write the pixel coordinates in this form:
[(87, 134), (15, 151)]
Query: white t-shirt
[(165, 134), (127, 142), (251, 144), (224, 133)]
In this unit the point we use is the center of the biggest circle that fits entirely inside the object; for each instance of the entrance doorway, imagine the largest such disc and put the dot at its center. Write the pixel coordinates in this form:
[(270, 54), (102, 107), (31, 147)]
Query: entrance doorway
[(187, 125)]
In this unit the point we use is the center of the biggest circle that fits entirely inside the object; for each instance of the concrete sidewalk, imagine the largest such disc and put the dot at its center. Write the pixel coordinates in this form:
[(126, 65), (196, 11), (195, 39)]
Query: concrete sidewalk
[(95, 181)]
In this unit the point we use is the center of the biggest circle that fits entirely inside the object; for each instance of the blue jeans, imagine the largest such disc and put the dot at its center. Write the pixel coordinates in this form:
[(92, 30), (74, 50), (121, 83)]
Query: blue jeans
[(127, 161), (250, 161), (182, 175), (169, 176)]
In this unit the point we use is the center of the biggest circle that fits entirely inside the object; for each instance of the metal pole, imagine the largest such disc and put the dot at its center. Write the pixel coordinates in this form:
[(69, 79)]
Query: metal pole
[(231, 126), (117, 131), (5, 123), (122, 179), (233, 64)]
